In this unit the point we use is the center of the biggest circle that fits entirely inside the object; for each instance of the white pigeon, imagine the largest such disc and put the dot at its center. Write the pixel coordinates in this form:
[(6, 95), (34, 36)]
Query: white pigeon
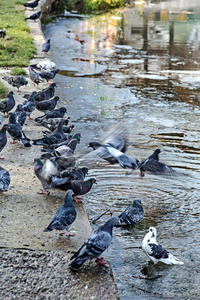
[(155, 252), (46, 65)]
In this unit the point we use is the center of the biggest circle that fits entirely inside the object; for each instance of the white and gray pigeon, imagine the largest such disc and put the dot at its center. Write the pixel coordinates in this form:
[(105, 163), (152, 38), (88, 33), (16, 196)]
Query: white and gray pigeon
[(65, 215), (7, 105), (132, 214), (152, 165), (4, 180), (45, 65), (34, 76), (20, 115), (155, 252), (46, 46), (99, 240)]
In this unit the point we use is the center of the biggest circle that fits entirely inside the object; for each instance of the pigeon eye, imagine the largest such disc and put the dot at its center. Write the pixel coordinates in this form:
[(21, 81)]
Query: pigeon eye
[(148, 241)]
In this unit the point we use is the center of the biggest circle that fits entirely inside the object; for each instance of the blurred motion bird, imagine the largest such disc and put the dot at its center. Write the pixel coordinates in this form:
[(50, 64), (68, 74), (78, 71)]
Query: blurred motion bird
[(155, 252), (152, 165), (99, 240), (65, 215)]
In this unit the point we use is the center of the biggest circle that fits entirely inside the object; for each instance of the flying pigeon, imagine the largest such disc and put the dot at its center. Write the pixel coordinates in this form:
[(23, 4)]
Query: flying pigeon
[(34, 76), (32, 5), (152, 165), (29, 105), (54, 137), (20, 115), (132, 214), (15, 131), (44, 173), (56, 113), (99, 240), (65, 215), (3, 138), (47, 105), (155, 252), (44, 65), (7, 104), (46, 93), (48, 75), (34, 16), (4, 180), (16, 81), (46, 46)]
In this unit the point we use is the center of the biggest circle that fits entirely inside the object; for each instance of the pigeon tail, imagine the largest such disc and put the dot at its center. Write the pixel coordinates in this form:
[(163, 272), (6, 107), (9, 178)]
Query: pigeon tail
[(26, 143)]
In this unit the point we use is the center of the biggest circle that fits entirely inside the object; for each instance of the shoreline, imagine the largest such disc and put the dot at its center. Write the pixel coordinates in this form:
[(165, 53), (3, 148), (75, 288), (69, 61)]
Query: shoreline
[(35, 264)]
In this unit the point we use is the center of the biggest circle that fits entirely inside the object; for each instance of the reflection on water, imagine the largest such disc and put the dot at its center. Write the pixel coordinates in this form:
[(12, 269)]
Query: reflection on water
[(140, 67)]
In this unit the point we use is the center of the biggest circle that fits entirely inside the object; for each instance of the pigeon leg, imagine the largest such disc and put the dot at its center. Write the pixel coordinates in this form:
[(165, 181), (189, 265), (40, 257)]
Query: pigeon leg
[(70, 233), (142, 174), (30, 118), (61, 232), (5, 116), (1, 157), (78, 199), (14, 142), (43, 192), (100, 262)]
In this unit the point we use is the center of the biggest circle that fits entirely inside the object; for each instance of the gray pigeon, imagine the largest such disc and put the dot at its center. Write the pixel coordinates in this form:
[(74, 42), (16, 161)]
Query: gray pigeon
[(44, 173), (15, 131), (46, 93), (3, 137), (34, 76), (64, 150), (56, 113), (48, 75), (16, 81), (99, 240), (65, 215), (132, 214), (29, 105), (4, 180), (7, 104), (47, 105), (152, 165), (34, 16), (20, 115), (46, 46), (32, 5)]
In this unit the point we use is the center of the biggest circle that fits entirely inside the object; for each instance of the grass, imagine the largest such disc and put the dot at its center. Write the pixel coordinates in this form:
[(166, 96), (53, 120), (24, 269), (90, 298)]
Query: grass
[(17, 48), (18, 71), (3, 91)]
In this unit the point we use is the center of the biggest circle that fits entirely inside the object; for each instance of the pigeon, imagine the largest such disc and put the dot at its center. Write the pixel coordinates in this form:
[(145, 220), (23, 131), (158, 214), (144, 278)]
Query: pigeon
[(99, 240), (79, 187), (155, 252), (34, 16), (4, 180), (20, 115), (48, 75), (3, 137), (46, 94), (65, 215), (64, 150), (1, 119), (16, 81), (7, 104), (152, 165), (44, 173), (47, 105), (15, 131), (32, 5), (29, 105), (56, 113), (2, 33), (51, 127), (74, 173), (46, 46), (54, 137), (76, 136), (44, 65), (34, 76), (132, 214)]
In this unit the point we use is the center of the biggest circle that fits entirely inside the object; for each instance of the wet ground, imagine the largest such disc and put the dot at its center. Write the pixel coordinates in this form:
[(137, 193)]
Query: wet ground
[(139, 67)]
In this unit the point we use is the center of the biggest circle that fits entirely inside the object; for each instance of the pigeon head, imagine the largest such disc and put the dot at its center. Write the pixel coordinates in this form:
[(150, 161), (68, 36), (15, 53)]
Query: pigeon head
[(77, 136), (4, 128), (155, 155), (152, 231), (136, 203), (63, 110), (108, 226), (10, 93), (85, 170), (94, 145), (68, 196)]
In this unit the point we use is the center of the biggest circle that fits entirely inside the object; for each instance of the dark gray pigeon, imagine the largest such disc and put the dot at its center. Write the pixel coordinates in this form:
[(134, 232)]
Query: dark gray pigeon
[(54, 137), (65, 215), (48, 75), (29, 105), (7, 105), (20, 115), (4, 180), (16, 81), (47, 105), (132, 214), (53, 146), (46, 46), (46, 93), (34, 16), (56, 113), (99, 240), (64, 150), (152, 165), (44, 173), (32, 5), (34, 76), (16, 132), (3, 138), (74, 173)]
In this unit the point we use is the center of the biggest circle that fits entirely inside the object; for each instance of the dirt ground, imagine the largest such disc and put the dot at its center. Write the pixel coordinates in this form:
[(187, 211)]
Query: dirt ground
[(34, 264)]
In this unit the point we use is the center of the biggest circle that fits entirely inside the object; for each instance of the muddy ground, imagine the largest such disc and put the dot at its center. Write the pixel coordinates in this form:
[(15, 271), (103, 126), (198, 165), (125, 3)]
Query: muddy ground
[(34, 264)]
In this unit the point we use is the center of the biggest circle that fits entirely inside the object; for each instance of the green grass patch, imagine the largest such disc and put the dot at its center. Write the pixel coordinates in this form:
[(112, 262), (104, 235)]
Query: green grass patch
[(17, 48), (3, 91), (18, 71)]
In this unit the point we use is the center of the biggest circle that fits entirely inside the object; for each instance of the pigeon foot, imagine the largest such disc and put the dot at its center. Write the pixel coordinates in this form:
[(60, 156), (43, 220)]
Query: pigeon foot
[(70, 233), (14, 142), (100, 262), (78, 199), (43, 192)]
